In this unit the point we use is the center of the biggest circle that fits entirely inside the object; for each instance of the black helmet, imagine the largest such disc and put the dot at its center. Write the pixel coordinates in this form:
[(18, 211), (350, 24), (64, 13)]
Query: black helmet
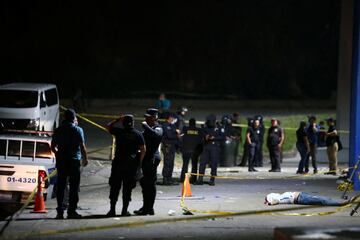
[(128, 121)]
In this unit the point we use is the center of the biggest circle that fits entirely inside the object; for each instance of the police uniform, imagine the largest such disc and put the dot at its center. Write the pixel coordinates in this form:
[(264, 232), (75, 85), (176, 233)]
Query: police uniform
[(168, 148), (191, 148), (125, 164), (259, 162), (245, 157), (273, 140), (152, 136), (211, 151), (180, 118), (254, 146)]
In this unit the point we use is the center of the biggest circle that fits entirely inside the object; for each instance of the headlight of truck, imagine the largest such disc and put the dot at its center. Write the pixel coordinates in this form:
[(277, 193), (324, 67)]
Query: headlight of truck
[(34, 123)]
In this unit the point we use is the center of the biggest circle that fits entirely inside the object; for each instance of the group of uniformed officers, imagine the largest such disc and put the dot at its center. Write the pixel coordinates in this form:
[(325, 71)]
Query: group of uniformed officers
[(137, 153)]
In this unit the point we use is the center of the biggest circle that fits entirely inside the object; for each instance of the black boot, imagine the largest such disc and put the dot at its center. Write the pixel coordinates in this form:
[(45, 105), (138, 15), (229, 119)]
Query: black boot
[(124, 211), (212, 181), (112, 212), (199, 181)]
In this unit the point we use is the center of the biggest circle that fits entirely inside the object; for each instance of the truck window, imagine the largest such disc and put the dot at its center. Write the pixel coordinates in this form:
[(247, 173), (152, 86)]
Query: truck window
[(2, 147), (51, 97), (14, 148), (43, 150), (18, 99), (28, 149)]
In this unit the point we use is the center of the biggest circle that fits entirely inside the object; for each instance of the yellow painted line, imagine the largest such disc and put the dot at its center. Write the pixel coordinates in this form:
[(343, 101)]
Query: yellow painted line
[(140, 223)]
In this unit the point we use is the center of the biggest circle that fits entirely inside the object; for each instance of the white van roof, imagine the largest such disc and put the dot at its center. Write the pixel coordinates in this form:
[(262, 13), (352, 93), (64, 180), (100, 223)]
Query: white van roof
[(28, 86), (24, 137)]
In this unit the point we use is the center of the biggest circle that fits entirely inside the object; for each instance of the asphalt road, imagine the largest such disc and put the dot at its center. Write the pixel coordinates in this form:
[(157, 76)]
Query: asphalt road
[(245, 193), (242, 194)]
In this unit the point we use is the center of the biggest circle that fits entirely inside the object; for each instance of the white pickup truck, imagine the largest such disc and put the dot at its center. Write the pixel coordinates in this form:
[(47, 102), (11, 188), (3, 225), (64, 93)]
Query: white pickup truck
[(22, 159)]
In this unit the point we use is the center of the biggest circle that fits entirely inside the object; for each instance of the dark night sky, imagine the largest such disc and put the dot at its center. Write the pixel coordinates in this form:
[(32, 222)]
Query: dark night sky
[(255, 49)]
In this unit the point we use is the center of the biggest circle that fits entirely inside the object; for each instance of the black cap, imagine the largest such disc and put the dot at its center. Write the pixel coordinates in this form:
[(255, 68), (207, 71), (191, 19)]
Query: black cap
[(69, 114), (312, 117), (151, 112), (330, 120), (128, 121)]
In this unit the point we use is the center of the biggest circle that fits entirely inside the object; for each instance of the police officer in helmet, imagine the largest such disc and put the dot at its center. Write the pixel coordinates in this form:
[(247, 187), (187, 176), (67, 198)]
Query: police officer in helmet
[(213, 137), (130, 151), (168, 148)]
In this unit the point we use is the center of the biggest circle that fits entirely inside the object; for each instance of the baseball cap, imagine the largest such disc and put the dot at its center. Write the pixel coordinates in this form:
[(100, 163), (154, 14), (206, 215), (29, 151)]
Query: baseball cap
[(330, 119), (151, 112)]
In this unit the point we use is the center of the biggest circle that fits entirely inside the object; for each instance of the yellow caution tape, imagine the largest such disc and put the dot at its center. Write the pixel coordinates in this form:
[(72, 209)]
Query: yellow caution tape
[(86, 119), (139, 223), (199, 122), (28, 201)]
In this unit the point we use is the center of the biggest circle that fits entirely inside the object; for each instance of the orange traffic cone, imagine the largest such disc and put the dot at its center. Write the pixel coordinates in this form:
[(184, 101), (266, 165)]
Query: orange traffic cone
[(186, 189), (39, 206)]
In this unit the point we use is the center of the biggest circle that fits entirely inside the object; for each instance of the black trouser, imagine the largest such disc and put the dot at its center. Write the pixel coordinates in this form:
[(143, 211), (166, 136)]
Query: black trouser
[(119, 178), (275, 157), (148, 183), (253, 150), (186, 156), (245, 156), (169, 157), (71, 171), (259, 155), (236, 151), (210, 154)]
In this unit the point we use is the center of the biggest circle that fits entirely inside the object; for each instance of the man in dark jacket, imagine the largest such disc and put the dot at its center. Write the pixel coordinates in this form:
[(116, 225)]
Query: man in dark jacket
[(213, 137), (191, 140), (130, 151), (168, 148)]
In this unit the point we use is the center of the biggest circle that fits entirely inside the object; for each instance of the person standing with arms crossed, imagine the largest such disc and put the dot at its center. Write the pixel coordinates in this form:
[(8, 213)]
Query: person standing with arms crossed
[(68, 144), (130, 151), (153, 134)]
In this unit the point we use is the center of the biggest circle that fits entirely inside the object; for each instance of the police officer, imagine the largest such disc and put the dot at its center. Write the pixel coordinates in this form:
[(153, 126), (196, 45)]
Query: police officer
[(130, 151), (191, 140), (236, 135), (259, 162), (180, 118), (211, 151), (253, 143), (245, 157), (68, 144), (153, 134), (312, 132), (168, 148), (275, 140)]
